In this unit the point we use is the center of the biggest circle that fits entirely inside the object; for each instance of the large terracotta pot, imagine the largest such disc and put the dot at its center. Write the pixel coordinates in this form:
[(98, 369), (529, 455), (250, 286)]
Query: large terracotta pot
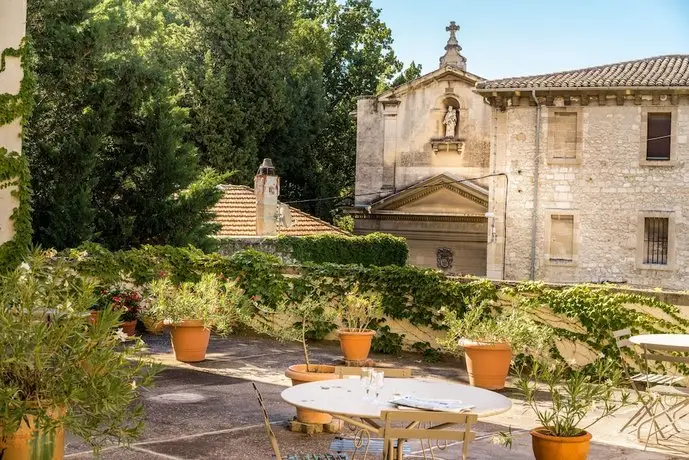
[(547, 447), (129, 327), (30, 442), (355, 345), (190, 341), (487, 364), (317, 372)]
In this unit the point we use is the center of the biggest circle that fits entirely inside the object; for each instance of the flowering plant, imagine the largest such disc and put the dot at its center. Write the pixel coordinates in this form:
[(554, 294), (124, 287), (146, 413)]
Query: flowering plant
[(123, 297)]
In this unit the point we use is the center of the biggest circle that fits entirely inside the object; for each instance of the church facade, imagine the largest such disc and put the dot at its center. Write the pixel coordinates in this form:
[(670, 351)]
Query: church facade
[(573, 176), (422, 150)]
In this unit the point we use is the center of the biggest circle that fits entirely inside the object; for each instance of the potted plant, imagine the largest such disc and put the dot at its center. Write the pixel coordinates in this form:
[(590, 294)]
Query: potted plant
[(562, 397), (126, 299), (489, 336), (356, 313), (192, 309), (60, 372)]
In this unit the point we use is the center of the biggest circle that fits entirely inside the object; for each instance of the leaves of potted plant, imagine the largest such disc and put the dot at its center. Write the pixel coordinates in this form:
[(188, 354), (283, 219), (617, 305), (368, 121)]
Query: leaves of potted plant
[(489, 336), (192, 309), (562, 398), (59, 371), (356, 314)]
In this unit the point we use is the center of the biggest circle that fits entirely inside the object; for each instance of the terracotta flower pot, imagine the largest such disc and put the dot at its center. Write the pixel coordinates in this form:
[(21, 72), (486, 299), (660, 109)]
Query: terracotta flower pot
[(94, 316), (317, 372), (487, 364), (190, 341), (153, 326), (30, 442), (546, 447), (355, 345), (129, 327)]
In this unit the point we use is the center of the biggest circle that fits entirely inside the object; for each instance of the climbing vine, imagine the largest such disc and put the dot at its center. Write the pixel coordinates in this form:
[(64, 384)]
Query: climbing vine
[(14, 167)]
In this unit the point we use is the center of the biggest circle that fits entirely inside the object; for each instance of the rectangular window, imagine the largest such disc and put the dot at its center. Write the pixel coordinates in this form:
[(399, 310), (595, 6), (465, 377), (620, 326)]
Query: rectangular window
[(655, 240), (564, 134), (561, 237), (659, 135)]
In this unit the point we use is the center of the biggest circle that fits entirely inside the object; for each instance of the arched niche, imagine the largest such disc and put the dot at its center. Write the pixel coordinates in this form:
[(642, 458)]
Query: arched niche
[(440, 109)]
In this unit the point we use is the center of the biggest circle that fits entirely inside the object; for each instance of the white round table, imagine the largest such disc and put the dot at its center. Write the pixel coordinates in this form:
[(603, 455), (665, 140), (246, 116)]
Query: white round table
[(668, 342), (346, 396)]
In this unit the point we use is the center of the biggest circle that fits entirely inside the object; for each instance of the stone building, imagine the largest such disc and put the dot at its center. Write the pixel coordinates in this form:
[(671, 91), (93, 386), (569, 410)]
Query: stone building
[(422, 149), (598, 187), (574, 176)]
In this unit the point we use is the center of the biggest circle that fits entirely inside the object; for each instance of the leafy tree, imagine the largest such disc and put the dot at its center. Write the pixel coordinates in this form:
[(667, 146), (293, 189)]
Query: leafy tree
[(410, 73), (107, 143)]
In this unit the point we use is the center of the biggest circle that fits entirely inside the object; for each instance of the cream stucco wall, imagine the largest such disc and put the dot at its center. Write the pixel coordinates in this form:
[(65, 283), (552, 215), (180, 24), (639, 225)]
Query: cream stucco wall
[(609, 191), (394, 136), (12, 29)]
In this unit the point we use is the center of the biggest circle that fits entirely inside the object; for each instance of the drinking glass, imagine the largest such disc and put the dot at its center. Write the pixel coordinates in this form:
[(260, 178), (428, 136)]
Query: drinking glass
[(365, 380), (377, 382)]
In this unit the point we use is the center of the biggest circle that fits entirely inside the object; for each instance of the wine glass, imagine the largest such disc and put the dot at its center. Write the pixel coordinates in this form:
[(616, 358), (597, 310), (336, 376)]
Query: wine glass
[(377, 382), (365, 380)]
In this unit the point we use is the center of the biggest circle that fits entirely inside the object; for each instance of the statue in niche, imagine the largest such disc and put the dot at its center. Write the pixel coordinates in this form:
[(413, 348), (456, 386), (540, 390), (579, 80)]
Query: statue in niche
[(450, 122)]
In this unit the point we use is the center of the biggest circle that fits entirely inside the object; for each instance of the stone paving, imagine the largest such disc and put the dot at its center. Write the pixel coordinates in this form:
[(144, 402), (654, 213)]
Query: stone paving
[(208, 410)]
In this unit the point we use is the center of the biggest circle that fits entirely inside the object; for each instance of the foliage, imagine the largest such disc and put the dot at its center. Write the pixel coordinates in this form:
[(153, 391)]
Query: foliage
[(406, 292), (107, 143), (372, 249), (217, 303), (14, 168), (430, 354), (124, 298), (53, 358), (512, 325), (386, 341), (358, 310), (571, 395), (345, 223)]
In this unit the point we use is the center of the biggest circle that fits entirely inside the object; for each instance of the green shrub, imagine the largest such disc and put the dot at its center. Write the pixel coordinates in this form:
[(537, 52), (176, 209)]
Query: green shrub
[(375, 249)]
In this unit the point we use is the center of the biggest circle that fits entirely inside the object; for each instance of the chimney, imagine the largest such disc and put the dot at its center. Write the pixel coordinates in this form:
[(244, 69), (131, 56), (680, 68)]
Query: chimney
[(267, 190)]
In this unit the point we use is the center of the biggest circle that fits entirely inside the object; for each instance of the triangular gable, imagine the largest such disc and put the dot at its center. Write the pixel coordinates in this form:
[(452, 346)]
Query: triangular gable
[(436, 195), (423, 80)]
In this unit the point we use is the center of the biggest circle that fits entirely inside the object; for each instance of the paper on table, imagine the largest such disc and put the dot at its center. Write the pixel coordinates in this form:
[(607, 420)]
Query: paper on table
[(440, 405)]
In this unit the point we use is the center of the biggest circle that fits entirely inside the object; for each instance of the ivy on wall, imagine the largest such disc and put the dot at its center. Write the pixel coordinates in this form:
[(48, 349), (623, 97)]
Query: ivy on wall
[(14, 167), (407, 292)]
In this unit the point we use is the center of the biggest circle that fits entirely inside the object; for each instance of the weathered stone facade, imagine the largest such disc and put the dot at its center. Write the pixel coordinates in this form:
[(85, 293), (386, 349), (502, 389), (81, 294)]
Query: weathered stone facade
[(608, 189), (402, 144)]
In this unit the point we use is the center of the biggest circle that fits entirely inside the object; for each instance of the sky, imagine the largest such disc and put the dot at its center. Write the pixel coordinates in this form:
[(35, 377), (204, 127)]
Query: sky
[(504, 38)]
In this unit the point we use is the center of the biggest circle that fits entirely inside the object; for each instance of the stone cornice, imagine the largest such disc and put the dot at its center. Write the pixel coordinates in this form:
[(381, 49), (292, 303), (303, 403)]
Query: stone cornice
[(360, 214)]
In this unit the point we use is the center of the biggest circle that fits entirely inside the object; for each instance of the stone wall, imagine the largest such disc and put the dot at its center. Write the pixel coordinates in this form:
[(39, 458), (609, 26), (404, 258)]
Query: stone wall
[(608, 190)]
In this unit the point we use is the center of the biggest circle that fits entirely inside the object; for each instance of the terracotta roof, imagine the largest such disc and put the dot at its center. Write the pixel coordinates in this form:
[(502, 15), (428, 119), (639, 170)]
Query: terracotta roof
[(656, 71), (236, 212)]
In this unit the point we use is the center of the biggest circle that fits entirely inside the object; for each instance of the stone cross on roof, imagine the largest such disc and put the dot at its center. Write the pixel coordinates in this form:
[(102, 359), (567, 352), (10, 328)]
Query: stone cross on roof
[(452, 57)]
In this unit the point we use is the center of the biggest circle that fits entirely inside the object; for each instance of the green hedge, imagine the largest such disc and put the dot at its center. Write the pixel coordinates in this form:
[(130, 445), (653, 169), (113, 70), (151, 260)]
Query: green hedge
[(373, 249), (407, 292)]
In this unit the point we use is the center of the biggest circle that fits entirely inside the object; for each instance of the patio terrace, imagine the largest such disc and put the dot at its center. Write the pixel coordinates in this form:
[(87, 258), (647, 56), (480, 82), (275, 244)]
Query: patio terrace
[(208, 410)]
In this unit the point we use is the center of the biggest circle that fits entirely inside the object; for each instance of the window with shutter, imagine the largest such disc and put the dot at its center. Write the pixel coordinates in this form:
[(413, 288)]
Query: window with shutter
[(561, 237), (659, 136)]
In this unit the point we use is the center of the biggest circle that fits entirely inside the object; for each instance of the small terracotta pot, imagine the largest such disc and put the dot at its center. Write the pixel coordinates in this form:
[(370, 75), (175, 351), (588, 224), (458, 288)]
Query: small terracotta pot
[(152, 326), (546, 447), (355, 345), (317, 372), (30, 443), (487, 364), (190, 341), (129, 327)]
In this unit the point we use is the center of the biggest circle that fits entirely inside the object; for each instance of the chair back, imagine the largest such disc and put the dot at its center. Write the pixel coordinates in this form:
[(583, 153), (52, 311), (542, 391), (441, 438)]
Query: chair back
[(427, 425), (389, 372), (266, 422)]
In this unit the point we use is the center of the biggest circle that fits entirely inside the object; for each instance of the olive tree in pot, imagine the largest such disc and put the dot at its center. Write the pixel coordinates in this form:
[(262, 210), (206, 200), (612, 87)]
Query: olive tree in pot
[(564, 399), (489, 336), (192, 309), (59, 370), (356, 313)]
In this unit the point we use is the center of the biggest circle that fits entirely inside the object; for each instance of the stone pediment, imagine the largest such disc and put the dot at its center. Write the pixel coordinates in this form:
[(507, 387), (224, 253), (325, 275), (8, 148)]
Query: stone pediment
[(444, 74), (444, 194)]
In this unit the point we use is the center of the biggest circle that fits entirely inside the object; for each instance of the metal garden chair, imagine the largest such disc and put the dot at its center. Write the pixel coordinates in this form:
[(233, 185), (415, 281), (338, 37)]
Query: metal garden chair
[(274, 441)]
